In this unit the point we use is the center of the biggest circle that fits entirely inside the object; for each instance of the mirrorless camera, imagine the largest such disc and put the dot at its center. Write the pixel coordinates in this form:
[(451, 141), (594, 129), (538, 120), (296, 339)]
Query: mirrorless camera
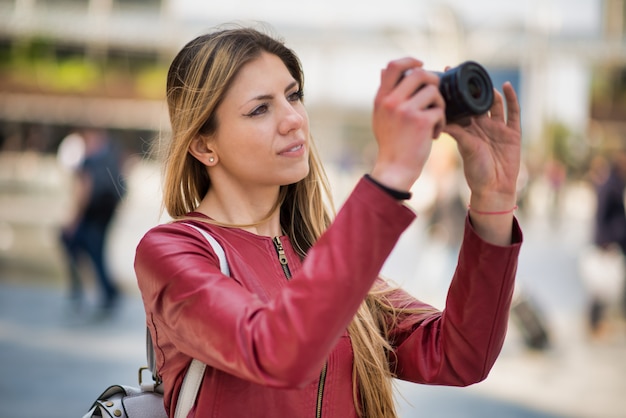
[(467, 90)]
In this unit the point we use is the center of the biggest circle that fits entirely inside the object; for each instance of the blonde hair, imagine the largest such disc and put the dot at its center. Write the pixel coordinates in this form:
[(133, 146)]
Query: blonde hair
[(198, 79)]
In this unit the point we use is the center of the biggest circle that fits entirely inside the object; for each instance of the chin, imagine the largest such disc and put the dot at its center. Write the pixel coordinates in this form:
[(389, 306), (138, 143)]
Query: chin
[(296, 175)]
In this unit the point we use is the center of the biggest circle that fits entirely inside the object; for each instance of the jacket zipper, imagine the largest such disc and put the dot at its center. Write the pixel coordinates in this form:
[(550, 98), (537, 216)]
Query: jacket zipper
[(320, 392), (282, 258)]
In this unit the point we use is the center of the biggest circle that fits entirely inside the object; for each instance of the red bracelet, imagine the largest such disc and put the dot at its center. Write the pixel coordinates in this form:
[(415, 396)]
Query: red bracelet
[(503, 212)]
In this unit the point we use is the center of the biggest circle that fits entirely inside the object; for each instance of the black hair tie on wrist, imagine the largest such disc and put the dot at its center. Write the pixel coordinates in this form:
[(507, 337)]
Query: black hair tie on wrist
[(396, 194)]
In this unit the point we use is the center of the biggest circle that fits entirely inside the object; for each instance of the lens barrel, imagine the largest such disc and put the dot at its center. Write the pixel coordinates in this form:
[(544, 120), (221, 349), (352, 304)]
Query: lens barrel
[(467, 90)]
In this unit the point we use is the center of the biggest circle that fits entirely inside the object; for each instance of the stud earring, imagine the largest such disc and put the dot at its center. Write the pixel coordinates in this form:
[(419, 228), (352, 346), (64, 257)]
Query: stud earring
[(211, 160)]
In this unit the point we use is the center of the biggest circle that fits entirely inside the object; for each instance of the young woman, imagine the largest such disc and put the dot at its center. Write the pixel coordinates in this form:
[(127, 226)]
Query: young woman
[(303, 326)]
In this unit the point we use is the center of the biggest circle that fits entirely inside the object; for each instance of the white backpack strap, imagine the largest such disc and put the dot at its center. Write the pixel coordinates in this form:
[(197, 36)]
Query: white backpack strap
[(193, 377), (217, 248), (189, 388)]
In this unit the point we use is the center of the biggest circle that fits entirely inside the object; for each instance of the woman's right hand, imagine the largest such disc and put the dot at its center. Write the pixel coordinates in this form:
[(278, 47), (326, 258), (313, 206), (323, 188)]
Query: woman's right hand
[(408, 114)]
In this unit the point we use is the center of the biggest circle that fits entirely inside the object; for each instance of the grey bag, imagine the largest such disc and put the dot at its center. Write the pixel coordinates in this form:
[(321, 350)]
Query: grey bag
[(126, 401), (146, 401)]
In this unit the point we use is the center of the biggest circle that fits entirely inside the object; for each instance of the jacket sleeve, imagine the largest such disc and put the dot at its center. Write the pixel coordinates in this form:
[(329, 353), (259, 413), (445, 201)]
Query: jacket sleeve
[(284, 342), (459, 346)]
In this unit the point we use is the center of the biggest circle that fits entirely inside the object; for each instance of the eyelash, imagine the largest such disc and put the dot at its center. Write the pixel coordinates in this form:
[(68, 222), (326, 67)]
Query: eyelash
[(299, 95), (296, 96)]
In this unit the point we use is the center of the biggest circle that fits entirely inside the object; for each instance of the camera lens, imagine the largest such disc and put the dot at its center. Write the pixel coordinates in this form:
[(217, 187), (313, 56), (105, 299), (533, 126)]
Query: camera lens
[(467, 91), (474, 87)]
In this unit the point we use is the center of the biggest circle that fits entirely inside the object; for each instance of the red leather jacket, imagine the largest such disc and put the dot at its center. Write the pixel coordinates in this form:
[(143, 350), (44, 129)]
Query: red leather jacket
[(266, 339)]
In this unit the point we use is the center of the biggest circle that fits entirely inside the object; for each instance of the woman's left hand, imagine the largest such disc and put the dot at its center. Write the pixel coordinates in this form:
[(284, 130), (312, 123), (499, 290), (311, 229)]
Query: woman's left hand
[(490, 147)]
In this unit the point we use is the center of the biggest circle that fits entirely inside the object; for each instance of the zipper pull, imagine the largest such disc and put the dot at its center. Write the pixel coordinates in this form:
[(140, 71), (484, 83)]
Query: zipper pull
[(282, 257), (281, 251)]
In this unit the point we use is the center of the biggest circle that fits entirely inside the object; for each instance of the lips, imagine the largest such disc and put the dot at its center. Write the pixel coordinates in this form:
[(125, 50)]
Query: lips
[(295, 147)]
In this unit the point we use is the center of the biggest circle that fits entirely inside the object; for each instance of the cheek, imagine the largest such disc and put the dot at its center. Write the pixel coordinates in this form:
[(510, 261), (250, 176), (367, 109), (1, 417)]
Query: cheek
[(245, 150), (238, 141)]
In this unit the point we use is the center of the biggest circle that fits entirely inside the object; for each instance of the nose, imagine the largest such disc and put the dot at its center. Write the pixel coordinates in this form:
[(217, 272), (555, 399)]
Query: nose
[(290, 119)]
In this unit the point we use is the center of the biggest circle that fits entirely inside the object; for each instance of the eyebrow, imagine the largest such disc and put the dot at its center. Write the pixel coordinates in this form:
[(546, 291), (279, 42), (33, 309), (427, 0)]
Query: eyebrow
[(269, 96)]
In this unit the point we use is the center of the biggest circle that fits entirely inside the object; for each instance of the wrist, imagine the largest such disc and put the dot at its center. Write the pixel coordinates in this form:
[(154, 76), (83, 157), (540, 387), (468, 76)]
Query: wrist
[(493, 203), (395, 193), (495, 212), (393, 177), (492, 217)]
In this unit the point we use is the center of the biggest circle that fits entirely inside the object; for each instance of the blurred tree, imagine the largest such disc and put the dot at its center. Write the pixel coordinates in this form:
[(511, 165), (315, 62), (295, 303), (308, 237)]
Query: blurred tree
[(567, 148), (45, 66), (608, 93)]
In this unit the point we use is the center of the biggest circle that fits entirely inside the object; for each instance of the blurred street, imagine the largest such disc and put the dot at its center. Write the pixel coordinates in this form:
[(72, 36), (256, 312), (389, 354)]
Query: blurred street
[(54, 362)]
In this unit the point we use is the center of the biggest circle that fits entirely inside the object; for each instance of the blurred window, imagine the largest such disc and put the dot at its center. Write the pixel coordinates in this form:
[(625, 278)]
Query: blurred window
[(62, 2), (137, 4)]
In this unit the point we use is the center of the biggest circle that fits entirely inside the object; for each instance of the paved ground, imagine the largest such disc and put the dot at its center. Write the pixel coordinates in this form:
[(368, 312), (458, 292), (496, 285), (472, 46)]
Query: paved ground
[(54, 363), (50, 357)]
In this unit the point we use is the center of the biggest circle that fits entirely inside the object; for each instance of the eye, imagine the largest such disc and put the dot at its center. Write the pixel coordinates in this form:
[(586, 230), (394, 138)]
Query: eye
[(296, 96), (259, 110)]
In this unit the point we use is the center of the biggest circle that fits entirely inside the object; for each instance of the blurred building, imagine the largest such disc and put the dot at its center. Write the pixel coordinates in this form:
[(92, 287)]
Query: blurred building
[(103, 62)]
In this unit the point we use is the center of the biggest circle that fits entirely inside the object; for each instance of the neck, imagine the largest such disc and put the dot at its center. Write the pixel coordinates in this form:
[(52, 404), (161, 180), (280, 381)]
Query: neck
[(248, 209)]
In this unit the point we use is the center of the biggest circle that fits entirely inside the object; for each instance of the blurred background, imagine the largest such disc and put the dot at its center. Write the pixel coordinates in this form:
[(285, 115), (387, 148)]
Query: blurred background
[(67, 64)]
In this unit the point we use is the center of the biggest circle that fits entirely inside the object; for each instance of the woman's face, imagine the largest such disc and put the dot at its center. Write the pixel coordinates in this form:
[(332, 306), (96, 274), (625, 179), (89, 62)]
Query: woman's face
[(262, 137)]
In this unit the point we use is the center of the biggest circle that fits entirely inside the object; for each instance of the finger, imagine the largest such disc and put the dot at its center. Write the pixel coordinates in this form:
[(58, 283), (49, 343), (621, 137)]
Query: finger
[(438, 129), (513, 108), (415, 80), (428, 97), (497, 108), (394, 71), (459, 134), (437, 117), (430, 101)]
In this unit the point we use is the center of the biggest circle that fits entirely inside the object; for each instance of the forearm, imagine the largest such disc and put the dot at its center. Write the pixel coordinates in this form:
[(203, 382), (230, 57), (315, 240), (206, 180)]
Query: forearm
[(460, 346)]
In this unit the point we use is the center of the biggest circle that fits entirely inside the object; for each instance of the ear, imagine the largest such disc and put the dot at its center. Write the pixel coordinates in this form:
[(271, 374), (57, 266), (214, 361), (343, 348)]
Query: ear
[(200, 148)]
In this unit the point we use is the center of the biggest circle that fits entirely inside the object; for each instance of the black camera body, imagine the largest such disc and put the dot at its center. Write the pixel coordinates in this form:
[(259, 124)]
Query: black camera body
[(467, 91)]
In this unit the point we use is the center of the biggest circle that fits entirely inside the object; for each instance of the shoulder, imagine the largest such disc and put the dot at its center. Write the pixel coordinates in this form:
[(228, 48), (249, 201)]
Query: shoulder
[(171, 239), (173, 250), (170, 230)]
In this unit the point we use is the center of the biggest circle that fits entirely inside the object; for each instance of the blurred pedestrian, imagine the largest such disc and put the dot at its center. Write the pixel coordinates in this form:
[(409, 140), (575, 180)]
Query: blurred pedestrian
[(556, 177), (304, 326), (99, 187), (446, 215), (610, 222)]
